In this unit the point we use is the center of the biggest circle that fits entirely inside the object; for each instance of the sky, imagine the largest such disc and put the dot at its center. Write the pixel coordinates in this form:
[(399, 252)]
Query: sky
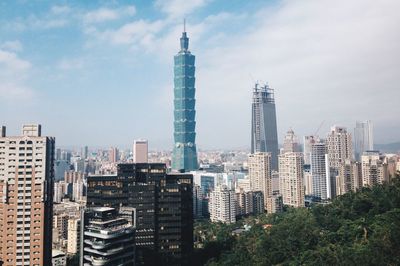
[(100, 73)]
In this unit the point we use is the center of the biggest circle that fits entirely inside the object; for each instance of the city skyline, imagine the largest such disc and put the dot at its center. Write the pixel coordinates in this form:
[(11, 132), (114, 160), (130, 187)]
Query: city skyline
[(94, 64)]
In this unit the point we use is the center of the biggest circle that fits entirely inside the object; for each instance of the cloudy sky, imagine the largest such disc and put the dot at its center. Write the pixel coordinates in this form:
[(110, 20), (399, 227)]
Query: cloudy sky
[(100, 73)]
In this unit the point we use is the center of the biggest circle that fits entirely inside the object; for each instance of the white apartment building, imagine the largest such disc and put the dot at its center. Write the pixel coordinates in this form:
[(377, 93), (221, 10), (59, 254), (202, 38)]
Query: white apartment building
[(339, 146), (291, 178), (319, 169), (260, 174), (374, 169), (222, 205)]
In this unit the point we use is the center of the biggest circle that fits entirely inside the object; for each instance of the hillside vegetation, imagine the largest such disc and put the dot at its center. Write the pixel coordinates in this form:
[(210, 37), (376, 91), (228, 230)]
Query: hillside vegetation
[(359, 228)]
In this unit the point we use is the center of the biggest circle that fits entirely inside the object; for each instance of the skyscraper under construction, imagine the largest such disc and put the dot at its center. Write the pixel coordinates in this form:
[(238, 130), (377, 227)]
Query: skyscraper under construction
[(264, 135)]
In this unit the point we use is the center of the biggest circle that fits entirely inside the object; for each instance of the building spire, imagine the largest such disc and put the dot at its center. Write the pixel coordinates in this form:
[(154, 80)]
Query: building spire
[(184, 38)]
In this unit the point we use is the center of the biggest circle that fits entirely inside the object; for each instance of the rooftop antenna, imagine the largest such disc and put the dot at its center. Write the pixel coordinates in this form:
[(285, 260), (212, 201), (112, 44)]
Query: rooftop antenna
[(184, 25)]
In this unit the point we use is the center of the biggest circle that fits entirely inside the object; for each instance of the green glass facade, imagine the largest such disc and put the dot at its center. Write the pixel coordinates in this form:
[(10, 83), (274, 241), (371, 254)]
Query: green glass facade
[(184, 157)]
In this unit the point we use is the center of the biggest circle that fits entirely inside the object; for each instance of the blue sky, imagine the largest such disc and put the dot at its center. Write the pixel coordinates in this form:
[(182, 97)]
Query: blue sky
[(100, 73)]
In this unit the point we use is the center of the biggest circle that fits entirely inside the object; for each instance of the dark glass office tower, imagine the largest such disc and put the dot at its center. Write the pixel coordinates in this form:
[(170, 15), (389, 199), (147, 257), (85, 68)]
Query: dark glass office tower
[(264, 135), (184, 157), (164, 209)]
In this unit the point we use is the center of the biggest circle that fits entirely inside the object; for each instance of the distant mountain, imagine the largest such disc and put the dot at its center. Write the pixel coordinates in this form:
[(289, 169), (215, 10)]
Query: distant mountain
[(388, 148)]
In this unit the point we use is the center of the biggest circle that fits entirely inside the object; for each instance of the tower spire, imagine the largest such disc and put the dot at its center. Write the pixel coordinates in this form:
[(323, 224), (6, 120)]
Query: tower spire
[(184, 38)]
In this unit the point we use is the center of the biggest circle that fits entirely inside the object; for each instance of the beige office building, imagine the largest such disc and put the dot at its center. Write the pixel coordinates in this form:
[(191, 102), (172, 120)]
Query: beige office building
[(26, 197), (140, 151)]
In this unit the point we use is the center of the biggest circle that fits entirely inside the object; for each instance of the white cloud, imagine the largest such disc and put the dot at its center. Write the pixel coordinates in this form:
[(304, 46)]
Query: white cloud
[(14, 46), (13, 74), (335, 61), (69, 64), (11, 92), (10, 61), (139, 33), (107, 14), (57, 10), (179, 8)]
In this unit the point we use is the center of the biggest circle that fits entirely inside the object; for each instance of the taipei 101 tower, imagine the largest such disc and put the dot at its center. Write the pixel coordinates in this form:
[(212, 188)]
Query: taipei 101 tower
[(184, 157)]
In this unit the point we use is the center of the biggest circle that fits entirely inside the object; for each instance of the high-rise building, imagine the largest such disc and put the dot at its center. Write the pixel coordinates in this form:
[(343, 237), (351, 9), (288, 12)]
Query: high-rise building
[(363, 138), (60, 167), (349, 177), (308, 189), (3, 131), (113, 155), (73, 237), (26, 193), (264, 135), (140, 151), (79, 164), (58, 154), (108, 239), (85, 152), (340, 148), (197, 202), (290, 143), (260, 174), (222, 205), (374, 168), (318, 170), (164, 209), (274, 203), (60, 227), (78, 191), (59, 188), (249, 202), (243, 184), (308, 142), (73, 177), (184, 157), (291, 179)]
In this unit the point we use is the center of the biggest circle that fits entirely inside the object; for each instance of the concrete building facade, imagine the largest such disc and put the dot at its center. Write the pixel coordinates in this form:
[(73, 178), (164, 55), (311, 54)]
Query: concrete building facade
[(26, 193)]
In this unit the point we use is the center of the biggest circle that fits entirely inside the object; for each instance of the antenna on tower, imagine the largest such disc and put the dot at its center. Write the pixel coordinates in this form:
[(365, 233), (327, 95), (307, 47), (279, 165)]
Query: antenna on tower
[(184, 25)]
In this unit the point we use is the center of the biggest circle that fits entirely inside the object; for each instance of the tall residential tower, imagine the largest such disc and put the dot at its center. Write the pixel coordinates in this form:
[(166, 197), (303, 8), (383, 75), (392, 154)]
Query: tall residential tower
[(184, 157), (264, 135), (26, 197)]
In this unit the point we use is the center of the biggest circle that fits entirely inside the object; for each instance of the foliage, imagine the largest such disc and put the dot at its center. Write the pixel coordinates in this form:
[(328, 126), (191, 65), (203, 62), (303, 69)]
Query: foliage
[(358, 228)]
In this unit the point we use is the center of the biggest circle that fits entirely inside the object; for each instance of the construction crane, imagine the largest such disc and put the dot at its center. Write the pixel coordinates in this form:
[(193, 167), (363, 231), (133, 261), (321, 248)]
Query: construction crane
[(316, 132)]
